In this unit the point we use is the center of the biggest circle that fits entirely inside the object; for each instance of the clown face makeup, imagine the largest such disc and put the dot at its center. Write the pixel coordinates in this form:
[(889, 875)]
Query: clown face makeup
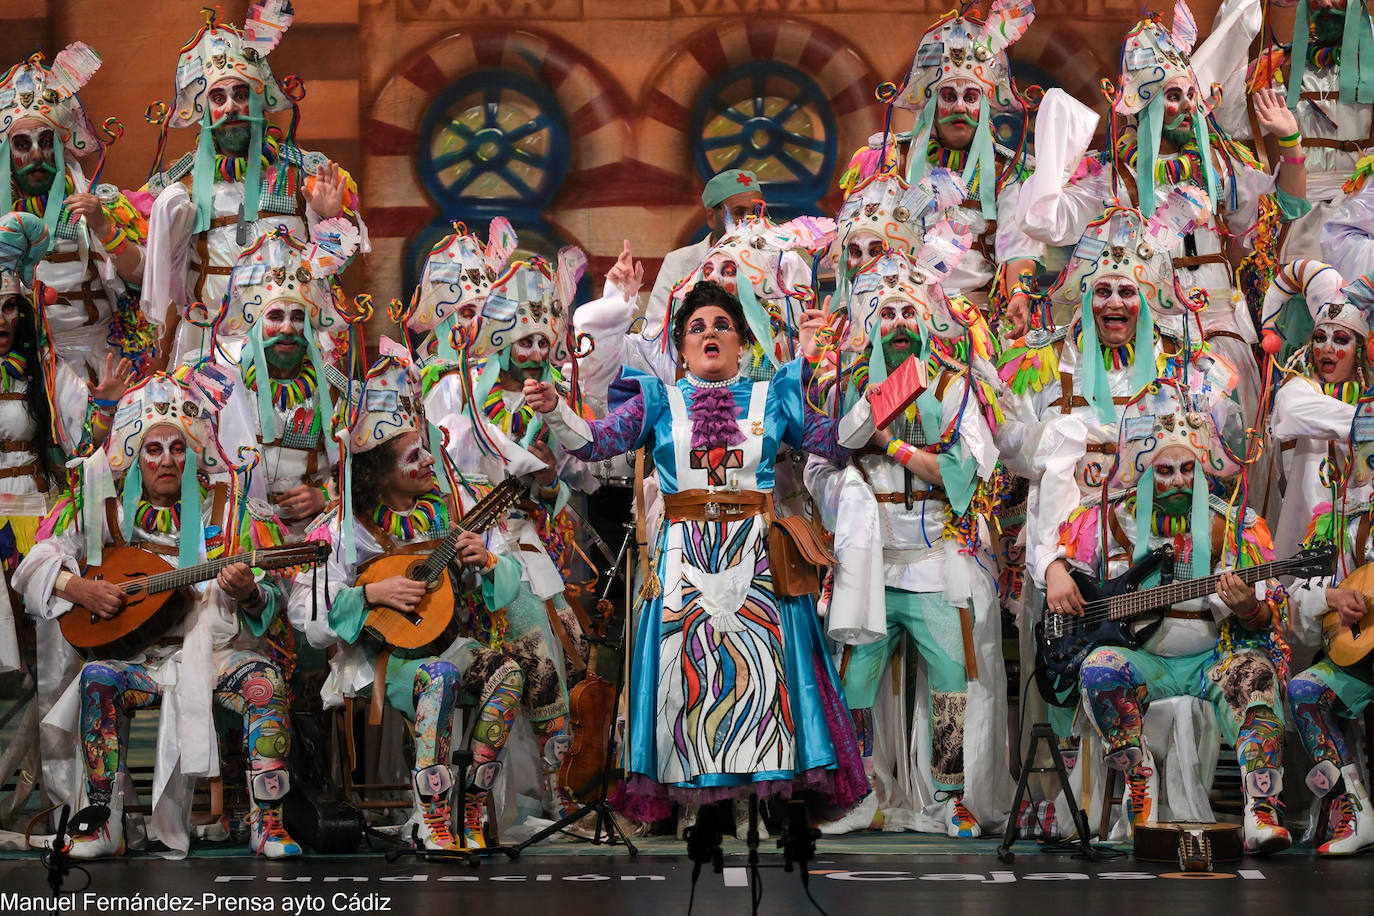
[(956, 113), (1174, 480), (712, 344), (413, 474), (897, 324), (1116, 309), (9, 318), (228, 101), (529, 355), (283, 335), (1334, 349), (162, 458), (862, 248), (1180, 108), (31, 155), (722, 270)]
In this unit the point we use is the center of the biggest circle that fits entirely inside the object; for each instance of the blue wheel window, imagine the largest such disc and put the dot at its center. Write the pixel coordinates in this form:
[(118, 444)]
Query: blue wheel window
[(774, 120), (494, 143)]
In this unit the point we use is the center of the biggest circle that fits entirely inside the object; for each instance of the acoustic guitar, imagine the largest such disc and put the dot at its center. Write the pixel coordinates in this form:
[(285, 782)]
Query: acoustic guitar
[(1349, 644), (1064, 640), (155, 595), (415, 634)]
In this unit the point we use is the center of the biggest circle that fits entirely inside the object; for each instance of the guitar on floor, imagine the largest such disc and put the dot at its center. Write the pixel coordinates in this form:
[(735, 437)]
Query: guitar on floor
[(416, 633), (156, 597), (1064, 640), (1349, 644)]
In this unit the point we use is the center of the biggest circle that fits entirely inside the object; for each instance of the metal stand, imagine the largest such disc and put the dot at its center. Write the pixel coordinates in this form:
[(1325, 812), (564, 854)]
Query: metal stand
[(608, 830), (1042, 731)]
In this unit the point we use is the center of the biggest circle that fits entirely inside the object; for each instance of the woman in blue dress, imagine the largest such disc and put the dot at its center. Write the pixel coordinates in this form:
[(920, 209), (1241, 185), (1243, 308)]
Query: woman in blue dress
[(732, 690)]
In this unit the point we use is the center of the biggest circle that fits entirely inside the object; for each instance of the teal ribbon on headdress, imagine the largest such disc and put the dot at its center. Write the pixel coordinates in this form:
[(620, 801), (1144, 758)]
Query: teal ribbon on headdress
[(324, 404), (1149, 131), (346, 523), (1357, 56), (920, 136), (252, 176), (982, 162), (267, 411), (1143, 369), (1097, 391), (133, 489), (1144, 511), (757, 319), (1297, 59), (191, 539), (58, 195), (436, 448), (6, 176), (203, 174), (1203, 136), (1198, 524)]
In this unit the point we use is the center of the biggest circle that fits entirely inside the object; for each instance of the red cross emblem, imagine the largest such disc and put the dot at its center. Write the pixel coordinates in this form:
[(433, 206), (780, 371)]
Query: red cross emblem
[(716, 461)]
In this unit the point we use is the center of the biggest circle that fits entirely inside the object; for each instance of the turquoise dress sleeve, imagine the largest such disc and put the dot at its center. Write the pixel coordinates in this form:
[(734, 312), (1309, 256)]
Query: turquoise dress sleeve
[(348, 613)]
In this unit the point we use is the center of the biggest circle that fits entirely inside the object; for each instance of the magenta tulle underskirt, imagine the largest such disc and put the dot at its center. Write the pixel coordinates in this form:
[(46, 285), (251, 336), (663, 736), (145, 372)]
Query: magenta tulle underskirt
[(841, 787)]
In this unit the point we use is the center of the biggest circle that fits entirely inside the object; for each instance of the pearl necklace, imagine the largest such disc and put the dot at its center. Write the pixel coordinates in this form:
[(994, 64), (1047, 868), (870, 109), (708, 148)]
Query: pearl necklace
[(697, 382)]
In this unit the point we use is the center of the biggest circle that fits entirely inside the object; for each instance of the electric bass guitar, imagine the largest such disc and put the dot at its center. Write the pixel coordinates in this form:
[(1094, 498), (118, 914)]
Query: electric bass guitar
[(156, 596), (1064, 640), (414, 634), (1349, 644)]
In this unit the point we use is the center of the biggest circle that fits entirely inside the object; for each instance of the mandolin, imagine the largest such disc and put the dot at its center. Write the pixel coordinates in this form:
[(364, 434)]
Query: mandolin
[(1064, 640), (156, 598), (1348, 644), (414, 634)]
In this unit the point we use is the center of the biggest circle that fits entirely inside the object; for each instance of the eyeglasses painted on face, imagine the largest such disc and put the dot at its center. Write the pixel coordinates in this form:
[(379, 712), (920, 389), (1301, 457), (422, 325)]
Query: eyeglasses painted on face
[(722, 326)]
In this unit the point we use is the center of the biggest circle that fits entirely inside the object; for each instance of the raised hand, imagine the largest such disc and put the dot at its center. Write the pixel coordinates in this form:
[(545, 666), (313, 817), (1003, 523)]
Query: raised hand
[(626, 274), (114, 379), (1272, 113), (326, 197)]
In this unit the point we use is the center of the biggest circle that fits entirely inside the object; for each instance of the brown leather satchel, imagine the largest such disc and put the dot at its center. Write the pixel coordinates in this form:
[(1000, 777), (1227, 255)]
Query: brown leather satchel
[(796, 552), (1194, 846)]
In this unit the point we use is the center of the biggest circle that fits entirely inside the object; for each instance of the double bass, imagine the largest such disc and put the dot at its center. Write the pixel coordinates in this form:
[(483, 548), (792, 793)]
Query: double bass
[(584, 770)]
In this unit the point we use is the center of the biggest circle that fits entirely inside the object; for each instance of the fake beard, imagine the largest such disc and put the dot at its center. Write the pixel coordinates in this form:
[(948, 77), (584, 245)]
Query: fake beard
[(36, 177), (1328, 28), (232, 139), (284, 359), (521, 367), (894, 357), (1175, 503), (1176, 133)]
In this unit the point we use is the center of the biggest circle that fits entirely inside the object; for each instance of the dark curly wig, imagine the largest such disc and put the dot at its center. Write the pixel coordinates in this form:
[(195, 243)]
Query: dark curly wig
[(705, 294), (370, 470)]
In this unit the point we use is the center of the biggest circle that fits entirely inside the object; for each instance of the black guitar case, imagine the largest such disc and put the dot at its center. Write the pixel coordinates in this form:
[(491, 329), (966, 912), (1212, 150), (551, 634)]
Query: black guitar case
[(315, 811)]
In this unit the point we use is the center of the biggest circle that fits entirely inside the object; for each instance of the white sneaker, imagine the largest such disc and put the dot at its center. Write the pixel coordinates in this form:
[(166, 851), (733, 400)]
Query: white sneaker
[(433, 815), (863, 816), (267, 834), (959, 820), (107, 839), (1352, 820)]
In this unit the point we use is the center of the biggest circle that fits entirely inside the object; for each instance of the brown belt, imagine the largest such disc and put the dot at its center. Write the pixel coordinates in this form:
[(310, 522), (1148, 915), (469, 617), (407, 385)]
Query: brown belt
[(916, 495), (220, 222), (63, 257), (1213, 335), (27, 469), (1197, 260), (15, 446), (1345, 146), (1101, 448), (1173, 614), (716, 505)]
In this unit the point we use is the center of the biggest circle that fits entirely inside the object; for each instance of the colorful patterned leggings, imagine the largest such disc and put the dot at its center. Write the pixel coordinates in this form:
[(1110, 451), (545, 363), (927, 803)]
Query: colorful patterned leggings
[(1320, 697), (1119, 684), (111, 691)]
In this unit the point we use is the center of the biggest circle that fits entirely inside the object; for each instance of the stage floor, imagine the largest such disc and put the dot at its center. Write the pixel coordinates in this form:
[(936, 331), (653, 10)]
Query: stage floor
[(872, 874)]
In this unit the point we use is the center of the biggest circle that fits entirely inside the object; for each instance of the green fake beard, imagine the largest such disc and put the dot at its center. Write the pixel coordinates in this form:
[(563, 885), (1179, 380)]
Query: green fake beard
[(36, 177), (533, 368), (1175, 503), (1328, 28), (954, 119), (895, 358), (278, 359), (1176, 133), (233, 139)]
